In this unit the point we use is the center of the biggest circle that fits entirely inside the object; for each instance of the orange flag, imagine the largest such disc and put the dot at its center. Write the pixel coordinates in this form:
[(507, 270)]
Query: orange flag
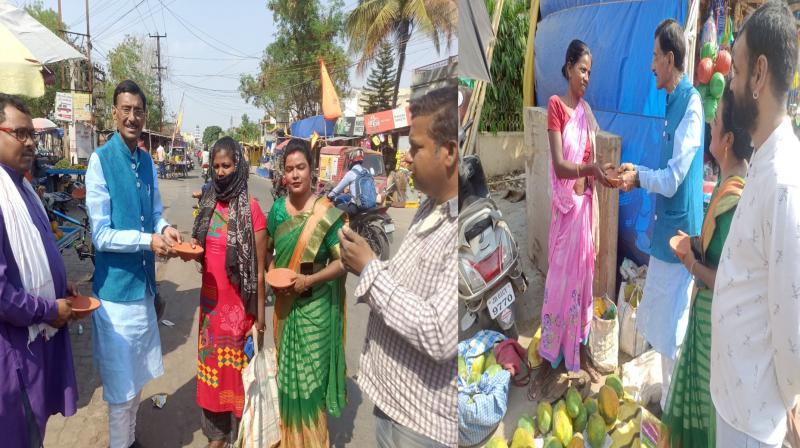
[(331, 109)]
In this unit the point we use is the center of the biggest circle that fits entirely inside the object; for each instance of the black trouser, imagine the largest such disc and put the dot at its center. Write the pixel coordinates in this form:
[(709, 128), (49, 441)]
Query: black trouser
[(349, 208)]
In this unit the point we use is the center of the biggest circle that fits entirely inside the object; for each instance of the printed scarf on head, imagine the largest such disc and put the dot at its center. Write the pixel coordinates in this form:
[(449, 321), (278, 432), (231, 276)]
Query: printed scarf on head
[(240, 254)]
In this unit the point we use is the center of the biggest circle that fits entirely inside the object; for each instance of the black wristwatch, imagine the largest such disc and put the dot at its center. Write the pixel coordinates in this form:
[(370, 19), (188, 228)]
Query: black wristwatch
[(636, 180)]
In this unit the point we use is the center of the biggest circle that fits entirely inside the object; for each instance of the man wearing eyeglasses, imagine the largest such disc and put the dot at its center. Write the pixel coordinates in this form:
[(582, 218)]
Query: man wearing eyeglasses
[(37, 378), (128, 231)]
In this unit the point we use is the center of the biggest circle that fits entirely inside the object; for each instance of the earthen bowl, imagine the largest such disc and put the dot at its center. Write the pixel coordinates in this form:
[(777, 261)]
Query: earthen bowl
[(186, 252), (281, 278), (83, 306), (613, 177)]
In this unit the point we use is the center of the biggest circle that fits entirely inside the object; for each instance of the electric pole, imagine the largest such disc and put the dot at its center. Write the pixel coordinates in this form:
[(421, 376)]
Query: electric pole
[(158, 69), (89, 59), (63, 37)]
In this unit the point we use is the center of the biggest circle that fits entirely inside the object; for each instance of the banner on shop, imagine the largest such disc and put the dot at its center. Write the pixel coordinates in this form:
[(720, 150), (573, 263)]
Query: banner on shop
[(386, 120), (82, 107)]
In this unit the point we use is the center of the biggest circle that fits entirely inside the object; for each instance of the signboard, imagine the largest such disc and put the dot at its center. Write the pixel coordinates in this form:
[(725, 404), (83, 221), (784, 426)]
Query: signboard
[(82, 106), (81, 138), (63, 106), (387, 120), (328, 165), (358, 127), (401, 119)]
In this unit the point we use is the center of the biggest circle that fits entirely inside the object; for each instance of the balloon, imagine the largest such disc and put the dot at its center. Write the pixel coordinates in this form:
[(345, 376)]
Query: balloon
[(709, 51), (710, 109), (704, 70), (723, 64), (716, 85)]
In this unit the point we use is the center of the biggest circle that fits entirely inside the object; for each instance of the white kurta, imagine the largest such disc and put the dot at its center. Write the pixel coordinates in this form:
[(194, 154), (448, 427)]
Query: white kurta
[(755, 316)]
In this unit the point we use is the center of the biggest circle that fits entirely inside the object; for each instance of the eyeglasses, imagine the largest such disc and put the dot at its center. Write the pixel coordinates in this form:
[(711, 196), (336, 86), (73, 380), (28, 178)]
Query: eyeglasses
[(22, 134), (127, 111)]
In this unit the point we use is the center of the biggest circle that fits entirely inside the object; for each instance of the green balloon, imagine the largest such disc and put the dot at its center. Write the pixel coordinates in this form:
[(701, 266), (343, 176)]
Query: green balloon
[(717, 85), (702, 89), (710, 108), (709, 51)]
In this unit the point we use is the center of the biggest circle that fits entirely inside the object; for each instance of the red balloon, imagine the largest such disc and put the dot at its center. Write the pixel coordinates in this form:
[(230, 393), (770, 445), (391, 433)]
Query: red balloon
[(704, 70), (723, 64)]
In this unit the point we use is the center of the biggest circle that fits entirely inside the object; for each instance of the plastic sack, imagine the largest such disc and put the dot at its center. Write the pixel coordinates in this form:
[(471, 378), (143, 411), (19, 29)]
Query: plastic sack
[(260, 426), (604, 342), (642, 379), (481, 407), (631, 341)]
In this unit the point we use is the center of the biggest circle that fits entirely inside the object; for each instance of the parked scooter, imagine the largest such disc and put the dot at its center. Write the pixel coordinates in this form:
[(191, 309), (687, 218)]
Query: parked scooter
[(489, 274)]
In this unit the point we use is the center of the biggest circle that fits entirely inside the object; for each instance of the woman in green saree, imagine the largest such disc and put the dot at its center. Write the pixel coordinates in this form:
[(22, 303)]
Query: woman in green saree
[(689, 418), (309, 317)]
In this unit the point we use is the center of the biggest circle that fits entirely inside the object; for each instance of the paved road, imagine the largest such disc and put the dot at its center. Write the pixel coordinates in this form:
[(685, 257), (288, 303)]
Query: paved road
[(178, 423)]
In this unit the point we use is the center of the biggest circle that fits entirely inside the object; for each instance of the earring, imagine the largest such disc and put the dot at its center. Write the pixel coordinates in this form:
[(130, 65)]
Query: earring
[(755, 95)]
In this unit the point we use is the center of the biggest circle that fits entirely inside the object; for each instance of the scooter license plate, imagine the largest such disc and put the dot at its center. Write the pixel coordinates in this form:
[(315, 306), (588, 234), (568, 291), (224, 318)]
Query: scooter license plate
[(388, 227), (501, 300)]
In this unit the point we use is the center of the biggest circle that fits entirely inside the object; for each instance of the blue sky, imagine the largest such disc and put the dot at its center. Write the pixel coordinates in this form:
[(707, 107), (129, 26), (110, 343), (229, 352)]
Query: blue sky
[(207, 73)]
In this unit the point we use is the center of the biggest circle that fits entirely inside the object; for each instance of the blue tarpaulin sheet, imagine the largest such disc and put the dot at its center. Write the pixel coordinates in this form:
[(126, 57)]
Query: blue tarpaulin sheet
[(307, 126), (622, 90)]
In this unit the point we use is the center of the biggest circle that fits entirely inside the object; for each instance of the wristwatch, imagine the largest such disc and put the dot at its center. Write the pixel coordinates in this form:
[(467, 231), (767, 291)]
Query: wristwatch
[(636, 179)]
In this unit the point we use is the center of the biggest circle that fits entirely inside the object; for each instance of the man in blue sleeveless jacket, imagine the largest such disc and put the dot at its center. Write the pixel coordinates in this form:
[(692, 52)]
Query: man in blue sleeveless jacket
[(677, 182), (128, 231)]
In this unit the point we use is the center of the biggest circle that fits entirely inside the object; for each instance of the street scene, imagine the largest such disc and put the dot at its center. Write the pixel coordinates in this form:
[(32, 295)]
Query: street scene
[(228, 225), (621, 275), (177, 423)]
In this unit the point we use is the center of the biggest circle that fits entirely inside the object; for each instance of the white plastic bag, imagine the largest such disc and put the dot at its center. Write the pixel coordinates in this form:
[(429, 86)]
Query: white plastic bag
[(642, 378), (604, 342), (631, 341), (261, 418)]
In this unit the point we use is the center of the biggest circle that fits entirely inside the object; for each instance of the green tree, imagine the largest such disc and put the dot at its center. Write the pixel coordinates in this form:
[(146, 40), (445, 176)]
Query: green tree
[(128, 61), (377, 95), (502, 107), (44, 106), (289, 78), (374, 22), (247, 131), (211, 134)]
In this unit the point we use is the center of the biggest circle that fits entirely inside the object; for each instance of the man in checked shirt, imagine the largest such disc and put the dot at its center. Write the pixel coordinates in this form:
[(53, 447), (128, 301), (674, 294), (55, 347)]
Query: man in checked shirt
[(408, 364)]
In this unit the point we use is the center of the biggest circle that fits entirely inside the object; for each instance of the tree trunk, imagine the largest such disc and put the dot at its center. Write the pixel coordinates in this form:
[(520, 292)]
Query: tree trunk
[(404, 34)]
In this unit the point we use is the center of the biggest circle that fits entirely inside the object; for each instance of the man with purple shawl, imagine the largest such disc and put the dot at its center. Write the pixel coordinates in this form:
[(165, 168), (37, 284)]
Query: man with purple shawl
[(37, 378)]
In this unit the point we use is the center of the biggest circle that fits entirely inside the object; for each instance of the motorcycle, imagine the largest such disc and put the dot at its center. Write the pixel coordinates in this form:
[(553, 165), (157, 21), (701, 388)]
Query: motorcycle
[(489, 274), (374, 225)]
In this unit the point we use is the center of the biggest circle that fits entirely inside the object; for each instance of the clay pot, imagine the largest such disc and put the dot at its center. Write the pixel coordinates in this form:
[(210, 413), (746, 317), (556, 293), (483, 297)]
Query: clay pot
[(186, 252), (613, 177), (680, 245), (84, 305), (281, 278)]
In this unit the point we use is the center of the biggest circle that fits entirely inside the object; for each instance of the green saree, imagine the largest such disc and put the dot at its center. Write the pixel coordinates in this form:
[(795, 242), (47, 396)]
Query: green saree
[(690, 417), (309, 331)]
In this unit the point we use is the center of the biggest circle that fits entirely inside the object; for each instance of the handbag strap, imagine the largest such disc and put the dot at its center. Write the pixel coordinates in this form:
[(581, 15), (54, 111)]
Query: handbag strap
[(321, 207)]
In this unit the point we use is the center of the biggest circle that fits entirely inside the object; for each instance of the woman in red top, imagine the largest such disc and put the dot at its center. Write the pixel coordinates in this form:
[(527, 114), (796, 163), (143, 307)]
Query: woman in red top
[(567, 307), (232, 228)]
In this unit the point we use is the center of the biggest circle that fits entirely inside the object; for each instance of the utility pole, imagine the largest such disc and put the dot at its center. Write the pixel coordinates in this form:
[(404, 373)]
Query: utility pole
[(158, 69), (60, 21), (89, 58)]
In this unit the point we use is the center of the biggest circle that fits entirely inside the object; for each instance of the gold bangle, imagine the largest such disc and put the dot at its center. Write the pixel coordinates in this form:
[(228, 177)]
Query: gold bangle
[(691, 268)]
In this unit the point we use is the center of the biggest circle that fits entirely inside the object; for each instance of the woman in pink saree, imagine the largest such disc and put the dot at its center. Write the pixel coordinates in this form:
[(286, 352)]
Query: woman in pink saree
[(567, 308)]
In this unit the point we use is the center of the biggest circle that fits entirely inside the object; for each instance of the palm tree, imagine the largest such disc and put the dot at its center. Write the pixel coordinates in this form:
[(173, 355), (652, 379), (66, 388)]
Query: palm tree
[(374, 22)]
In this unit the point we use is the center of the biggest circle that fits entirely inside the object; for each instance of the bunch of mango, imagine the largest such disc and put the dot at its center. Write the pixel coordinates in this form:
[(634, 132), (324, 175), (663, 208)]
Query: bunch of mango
[(486, 362), (563, 425)]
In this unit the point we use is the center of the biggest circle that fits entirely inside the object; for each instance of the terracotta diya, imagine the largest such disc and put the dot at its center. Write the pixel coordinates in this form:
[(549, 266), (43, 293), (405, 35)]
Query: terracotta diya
[(84, 305), (186, 252), (680, 244), (613, 177), (281, 278)]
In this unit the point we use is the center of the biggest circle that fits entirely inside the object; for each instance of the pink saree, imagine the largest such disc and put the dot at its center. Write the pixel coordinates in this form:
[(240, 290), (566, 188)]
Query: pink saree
[(567, 308)]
